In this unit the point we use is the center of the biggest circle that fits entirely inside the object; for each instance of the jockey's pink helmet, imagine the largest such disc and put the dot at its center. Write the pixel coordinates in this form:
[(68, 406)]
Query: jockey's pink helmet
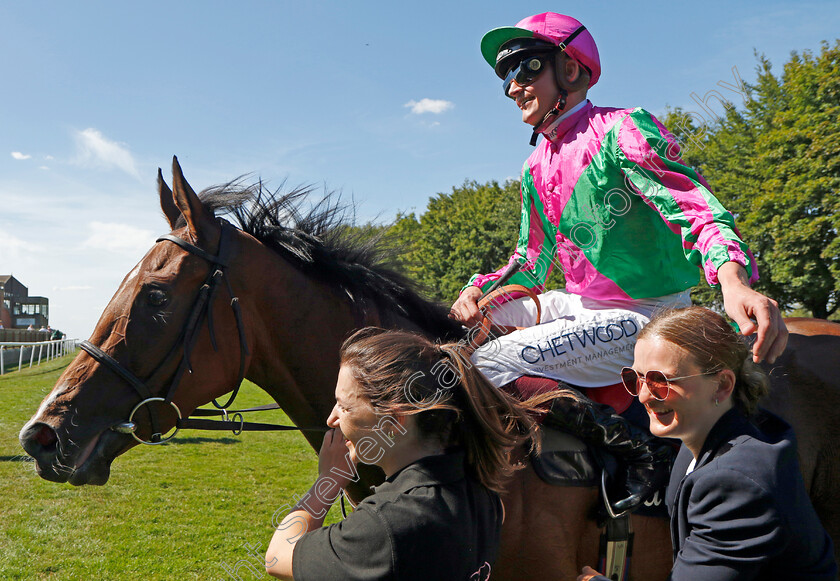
[(552, 28)]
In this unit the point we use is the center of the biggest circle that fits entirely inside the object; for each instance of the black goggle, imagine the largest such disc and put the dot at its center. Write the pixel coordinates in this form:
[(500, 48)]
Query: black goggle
[(524, 73), (527, 70), (519, 46)]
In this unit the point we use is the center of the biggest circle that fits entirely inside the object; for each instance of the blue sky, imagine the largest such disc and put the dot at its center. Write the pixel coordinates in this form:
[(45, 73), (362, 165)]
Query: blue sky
[(388, 102)]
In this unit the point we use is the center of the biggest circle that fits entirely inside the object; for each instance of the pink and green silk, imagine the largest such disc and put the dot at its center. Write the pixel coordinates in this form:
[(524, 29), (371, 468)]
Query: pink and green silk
[(607, 198)]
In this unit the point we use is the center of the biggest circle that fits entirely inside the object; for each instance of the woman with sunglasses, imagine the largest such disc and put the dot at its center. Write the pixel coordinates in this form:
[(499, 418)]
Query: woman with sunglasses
[(738, 505), (608, 200), (441, 433)]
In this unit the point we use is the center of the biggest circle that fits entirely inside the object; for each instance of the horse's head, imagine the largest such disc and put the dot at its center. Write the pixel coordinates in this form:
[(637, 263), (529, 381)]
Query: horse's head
[(172, 338), (154, 340)]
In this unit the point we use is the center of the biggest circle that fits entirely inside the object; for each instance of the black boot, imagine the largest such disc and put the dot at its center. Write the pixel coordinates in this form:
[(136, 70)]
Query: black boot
[(648, 458)]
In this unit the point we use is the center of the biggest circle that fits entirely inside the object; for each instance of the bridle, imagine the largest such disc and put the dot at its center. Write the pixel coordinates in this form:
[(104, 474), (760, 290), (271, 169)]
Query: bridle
[(202, 309)]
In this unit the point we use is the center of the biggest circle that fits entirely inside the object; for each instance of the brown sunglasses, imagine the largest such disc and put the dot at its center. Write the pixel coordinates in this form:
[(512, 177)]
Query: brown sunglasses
[(657, 383)]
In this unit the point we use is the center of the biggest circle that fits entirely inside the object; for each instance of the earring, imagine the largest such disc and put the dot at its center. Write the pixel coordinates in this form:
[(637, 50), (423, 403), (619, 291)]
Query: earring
[(716, 402), (390, 435)]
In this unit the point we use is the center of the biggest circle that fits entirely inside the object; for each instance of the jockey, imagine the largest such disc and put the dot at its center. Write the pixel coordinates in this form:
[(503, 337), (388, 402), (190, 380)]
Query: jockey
[(606, 198)]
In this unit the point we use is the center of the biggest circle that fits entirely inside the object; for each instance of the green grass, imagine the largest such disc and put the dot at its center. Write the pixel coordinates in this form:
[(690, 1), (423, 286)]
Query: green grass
[(176, 511)]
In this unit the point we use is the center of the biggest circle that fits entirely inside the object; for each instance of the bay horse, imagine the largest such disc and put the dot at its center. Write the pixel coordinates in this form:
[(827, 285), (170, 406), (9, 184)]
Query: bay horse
[(302, 282)]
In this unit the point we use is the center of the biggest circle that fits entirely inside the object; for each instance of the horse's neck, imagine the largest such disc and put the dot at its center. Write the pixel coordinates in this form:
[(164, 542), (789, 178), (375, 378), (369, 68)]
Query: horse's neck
[(296, 329), (298, 326)]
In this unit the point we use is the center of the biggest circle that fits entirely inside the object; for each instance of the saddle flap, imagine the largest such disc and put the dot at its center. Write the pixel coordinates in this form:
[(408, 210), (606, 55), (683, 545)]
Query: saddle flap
[(565, 460)]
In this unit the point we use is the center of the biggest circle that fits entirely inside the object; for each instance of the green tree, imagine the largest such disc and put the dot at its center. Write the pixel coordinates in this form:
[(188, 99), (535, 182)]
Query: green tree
[(472, 229), (776, 166)]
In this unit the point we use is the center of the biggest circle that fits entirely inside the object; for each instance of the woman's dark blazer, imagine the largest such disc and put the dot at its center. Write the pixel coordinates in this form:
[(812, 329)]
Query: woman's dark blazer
[(743, 512)]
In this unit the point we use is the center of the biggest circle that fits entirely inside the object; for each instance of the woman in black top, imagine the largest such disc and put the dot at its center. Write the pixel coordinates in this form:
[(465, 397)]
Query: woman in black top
[(441, 433), (738, 505)]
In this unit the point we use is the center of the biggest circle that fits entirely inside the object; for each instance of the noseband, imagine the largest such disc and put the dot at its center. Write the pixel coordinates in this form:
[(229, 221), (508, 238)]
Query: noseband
[(202, 308)]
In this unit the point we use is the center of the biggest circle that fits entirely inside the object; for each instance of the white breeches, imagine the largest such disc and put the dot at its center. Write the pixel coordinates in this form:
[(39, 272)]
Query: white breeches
[(582, 341)]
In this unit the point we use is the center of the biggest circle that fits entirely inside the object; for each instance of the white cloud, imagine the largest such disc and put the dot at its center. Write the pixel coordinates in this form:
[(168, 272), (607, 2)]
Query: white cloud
[(20, 156), (435, 106), (120, 238), (96, 150), (77, 287), (13, 247)]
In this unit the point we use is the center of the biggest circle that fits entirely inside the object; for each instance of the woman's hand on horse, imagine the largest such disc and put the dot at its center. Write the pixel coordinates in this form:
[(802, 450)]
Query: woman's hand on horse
[(465, 309), (753, 312), (334, 454)]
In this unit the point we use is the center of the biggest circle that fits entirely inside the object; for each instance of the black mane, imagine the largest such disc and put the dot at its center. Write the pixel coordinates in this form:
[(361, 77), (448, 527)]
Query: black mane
[(318, 238)]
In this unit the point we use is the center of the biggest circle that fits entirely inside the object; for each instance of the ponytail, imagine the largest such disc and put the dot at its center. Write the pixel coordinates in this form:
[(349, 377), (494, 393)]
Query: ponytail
[(493, 423), (751, 386)]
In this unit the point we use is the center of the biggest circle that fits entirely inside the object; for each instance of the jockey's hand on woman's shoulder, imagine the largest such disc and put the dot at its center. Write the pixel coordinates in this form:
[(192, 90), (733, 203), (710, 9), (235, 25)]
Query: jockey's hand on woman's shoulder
[(753, 312), (465, 309)]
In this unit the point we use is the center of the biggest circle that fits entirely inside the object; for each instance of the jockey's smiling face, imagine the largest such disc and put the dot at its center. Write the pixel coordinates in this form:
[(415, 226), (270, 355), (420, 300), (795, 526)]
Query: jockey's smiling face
[(536, 99)]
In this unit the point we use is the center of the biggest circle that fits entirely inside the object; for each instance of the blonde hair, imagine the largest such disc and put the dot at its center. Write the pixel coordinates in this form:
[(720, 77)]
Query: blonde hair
[(403, 373), (714, 346)]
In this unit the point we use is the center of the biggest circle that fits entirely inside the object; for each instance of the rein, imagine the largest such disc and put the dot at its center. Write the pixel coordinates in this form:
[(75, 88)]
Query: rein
[(202, 309)]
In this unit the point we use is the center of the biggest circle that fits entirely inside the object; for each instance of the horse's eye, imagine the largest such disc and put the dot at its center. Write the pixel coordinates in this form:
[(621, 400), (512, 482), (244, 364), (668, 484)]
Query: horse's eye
[(157, 298)]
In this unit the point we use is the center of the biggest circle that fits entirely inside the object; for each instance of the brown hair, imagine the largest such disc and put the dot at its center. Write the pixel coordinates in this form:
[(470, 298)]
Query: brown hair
[(714, 345), (403, 373)]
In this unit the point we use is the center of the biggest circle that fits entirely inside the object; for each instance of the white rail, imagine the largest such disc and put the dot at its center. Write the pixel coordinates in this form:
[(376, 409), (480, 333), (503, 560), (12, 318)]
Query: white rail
[(46, 350)]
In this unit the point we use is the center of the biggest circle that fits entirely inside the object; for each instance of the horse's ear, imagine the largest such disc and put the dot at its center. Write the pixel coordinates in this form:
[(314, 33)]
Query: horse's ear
[(199, 219), (167, 204)]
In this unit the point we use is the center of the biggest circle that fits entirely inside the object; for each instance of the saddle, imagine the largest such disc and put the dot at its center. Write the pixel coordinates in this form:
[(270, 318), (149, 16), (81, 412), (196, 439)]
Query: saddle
[(565, 460)]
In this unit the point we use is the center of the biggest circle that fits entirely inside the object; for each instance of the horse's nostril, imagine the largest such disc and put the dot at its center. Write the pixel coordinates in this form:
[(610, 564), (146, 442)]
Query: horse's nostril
[(46, 437), (39, 441)]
